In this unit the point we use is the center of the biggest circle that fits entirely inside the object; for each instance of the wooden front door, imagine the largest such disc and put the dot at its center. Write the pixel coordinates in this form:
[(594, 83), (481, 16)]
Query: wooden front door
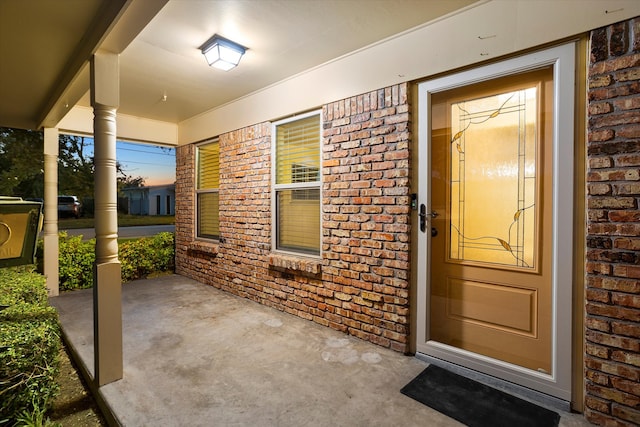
[(491, 219), (495, 222)]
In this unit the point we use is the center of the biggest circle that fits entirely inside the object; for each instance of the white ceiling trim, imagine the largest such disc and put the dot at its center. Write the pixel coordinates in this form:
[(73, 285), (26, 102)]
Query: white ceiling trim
[(79, 121)]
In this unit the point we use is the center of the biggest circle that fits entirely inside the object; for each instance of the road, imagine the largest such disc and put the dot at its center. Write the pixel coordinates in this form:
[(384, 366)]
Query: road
[(124, 232)]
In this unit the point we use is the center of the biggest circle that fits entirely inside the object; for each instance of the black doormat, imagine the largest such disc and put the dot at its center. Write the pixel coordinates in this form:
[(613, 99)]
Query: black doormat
[(473, 403)]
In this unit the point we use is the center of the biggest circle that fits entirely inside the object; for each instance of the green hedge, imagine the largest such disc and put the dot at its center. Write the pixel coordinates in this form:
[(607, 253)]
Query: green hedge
[(75, 262), (138, 258), (29, 345), (141, 257)]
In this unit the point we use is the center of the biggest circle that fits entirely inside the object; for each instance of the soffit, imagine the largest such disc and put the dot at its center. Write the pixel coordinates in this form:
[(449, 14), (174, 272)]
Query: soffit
[(45, 47), (36, 41), (284, 37)]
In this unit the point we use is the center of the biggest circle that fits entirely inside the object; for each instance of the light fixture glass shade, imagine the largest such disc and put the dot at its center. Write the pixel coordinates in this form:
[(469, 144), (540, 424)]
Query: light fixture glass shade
[(222, 53)]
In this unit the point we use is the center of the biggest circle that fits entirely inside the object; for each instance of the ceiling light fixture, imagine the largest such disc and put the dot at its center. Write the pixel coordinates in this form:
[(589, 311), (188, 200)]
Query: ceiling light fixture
[(222, 53)]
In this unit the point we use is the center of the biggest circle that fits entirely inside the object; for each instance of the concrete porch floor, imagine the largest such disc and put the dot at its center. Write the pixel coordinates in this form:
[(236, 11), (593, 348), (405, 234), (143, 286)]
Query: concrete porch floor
[(197, 356)]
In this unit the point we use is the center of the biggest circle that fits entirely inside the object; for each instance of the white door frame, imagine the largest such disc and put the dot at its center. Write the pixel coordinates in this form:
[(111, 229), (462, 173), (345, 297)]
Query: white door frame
[(558, 383)]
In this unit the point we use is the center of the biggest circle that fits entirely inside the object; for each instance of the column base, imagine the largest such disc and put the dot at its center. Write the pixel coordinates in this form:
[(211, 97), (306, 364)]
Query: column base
[(107, 322), (51, 255)]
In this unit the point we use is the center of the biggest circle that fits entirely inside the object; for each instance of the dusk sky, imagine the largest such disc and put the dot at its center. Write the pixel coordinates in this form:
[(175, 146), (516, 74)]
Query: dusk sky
[(157, 165)]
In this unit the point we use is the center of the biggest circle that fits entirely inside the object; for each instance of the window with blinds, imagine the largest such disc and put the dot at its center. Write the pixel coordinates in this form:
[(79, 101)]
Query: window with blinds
[(207, 191), (296, 195)]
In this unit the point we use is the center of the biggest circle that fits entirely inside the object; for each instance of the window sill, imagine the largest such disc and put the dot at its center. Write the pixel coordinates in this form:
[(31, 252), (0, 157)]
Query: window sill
[(302, 264), (210, 248)]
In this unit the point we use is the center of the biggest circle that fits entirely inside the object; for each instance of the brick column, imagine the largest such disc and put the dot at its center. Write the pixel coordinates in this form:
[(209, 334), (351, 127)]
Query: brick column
[(613, 238)]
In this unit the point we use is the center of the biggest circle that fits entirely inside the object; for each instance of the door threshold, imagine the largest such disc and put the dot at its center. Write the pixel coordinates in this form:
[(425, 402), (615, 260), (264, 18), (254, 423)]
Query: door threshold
[(528, 394)]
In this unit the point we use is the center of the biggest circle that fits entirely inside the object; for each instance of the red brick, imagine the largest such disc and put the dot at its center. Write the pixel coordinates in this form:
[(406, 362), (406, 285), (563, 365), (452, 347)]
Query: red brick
[(630, 271), (626, 328), (614, 91), (631, 387), (615, 284), (629, 131), (599, 324), (615, 147), (631, 159), (599, 189), (599, 81), (626, 300), (627, 104), (598, 378), (624, 216), (627, 414), (598, 295), (629, 229), (612, 203), (626, 357), (608, 340), (598, 268), (613, 368), (597, 108), (599, 405), (614, 175), (626, 189), (623, 62), (612, 311), (612, 394), (627, 75), (601, 162), (601, 419)]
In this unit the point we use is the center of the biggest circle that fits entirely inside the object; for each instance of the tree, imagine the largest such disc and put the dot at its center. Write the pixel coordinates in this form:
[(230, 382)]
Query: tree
[(75, 167), (21, 163), (128, 181)]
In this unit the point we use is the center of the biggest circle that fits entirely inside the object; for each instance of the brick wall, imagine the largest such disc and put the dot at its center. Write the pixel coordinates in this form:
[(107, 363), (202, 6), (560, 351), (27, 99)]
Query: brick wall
[(613, 240), (366, 214), (360, 286)]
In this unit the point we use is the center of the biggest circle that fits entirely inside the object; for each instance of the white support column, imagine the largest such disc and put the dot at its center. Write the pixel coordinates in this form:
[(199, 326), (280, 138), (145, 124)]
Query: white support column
[(107, 283), (51, 210)]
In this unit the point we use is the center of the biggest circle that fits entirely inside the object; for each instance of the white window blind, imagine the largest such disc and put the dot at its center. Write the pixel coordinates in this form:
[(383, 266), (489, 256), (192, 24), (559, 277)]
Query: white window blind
[(297, 185), (298, 151), (207, 190)]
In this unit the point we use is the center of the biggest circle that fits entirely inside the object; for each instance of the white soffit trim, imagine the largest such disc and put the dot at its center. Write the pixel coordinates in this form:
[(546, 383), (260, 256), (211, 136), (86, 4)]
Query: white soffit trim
[(483, 31), (79, 121)]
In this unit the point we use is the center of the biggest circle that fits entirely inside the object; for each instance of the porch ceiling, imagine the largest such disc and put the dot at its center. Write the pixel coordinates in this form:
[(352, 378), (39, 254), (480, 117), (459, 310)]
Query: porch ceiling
[(45, 46)]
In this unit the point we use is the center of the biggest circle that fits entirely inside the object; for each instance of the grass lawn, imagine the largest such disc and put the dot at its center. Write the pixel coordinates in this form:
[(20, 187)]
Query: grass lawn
[(123, 221)]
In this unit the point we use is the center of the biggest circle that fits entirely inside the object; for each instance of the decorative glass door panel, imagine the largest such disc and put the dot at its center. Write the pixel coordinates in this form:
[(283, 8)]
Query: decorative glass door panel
[(492, 196), (491, 175)]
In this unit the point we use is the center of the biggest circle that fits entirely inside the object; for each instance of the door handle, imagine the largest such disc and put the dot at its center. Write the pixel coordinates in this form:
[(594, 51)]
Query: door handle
[(423, 218)]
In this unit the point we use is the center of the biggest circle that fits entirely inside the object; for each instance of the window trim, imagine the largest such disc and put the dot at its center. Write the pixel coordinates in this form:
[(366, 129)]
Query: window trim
[(199, 191), (275, 188)]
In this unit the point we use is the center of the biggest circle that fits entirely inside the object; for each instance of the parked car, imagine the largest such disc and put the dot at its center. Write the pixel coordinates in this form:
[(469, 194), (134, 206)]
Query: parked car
[(69, 206)]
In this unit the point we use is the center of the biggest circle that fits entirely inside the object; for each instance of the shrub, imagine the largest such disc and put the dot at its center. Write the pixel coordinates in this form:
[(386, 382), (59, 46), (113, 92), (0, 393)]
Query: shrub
[(138, 259), (142, 257), (76, 258), (29, 345)]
